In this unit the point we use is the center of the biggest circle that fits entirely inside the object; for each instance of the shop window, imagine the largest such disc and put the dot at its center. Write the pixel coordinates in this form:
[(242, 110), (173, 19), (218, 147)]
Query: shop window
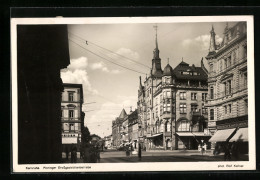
[(183, 95), (183, 108)]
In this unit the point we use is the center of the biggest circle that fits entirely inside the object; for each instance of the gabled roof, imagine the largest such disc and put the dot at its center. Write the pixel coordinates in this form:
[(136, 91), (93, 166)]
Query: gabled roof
[(167, 70)]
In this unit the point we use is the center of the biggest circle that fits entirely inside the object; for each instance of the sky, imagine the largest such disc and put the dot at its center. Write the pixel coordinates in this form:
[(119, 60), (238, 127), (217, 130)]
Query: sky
[(99, 63)]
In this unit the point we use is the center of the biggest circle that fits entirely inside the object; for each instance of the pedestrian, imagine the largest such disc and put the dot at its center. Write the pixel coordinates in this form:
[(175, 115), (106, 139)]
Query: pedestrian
[(139, 152), (227, 156), (98, 154), (234, 151), (128, 149), (67, 152), (74, 155), (93, 155)]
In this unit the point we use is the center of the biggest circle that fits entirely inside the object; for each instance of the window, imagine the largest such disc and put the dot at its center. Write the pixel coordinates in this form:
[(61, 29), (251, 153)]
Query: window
[(227, 86), (225, 63), (168, 80), (204, 96), (72, 127), (246, 106), (212, 114), (184, 125), (225, 109), (62, 113), (70, 96), (183, 95), (183, 108), (229, 61), (234, 55), (168, 107), (204, 110), (161, 127), (168, 94), (194, 108), (164, 107), (164, 94), (167, 126), (220, 67), (230, 109), (71, 113), (211, 92), (193, 96), (245, 51)]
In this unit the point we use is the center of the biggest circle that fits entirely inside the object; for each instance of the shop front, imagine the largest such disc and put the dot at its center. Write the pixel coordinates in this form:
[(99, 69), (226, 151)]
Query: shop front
[(155, 141), (191, 140)]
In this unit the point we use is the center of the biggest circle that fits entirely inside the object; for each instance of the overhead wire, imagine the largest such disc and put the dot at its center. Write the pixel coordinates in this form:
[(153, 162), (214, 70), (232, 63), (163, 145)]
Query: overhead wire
[(106, 58), (144, 65)]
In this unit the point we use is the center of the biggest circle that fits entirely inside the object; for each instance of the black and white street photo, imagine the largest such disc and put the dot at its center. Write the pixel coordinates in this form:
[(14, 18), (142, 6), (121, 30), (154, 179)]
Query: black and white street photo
[(135, 90)]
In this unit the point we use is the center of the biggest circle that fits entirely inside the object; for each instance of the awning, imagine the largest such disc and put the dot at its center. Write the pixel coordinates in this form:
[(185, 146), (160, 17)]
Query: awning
[(240, 136), (222, 135), (155, 135), (191, 134)]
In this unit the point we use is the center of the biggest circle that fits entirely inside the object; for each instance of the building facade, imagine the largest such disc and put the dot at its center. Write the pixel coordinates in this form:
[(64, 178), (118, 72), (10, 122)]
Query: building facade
[(171, 106), (117, 129), (42, 51), (72, 118), (227, 83)]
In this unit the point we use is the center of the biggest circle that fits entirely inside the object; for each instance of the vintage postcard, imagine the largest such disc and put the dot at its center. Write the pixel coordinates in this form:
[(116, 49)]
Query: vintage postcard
[(133, 94)]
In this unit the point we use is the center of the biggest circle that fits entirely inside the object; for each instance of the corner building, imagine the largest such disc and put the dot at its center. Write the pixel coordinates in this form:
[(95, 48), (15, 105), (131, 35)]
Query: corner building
[(72, 117), (227, 84), (171, 111)]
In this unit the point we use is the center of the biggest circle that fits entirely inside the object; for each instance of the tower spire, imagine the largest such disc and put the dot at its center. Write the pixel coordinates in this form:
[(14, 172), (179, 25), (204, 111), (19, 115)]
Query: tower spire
[(212, 44), (156, 50)]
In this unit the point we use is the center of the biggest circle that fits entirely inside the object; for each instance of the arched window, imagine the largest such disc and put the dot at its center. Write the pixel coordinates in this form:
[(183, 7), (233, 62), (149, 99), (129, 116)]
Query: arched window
[(184, 125)]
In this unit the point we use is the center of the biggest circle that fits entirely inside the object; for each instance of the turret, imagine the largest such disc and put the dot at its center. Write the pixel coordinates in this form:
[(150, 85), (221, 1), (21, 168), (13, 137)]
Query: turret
[(156, 62)]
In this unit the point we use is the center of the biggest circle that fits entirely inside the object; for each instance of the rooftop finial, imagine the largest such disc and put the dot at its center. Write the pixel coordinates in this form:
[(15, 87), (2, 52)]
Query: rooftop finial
[(168, 60), (182, 59)]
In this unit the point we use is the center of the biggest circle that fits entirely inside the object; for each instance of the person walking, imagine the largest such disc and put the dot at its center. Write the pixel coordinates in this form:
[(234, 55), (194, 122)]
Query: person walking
[(139, 152), (227, 156), (74, 155), (234, 151)]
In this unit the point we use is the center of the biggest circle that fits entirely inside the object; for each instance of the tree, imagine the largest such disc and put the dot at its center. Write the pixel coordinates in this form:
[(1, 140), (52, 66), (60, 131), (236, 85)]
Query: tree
[(85, 136)]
